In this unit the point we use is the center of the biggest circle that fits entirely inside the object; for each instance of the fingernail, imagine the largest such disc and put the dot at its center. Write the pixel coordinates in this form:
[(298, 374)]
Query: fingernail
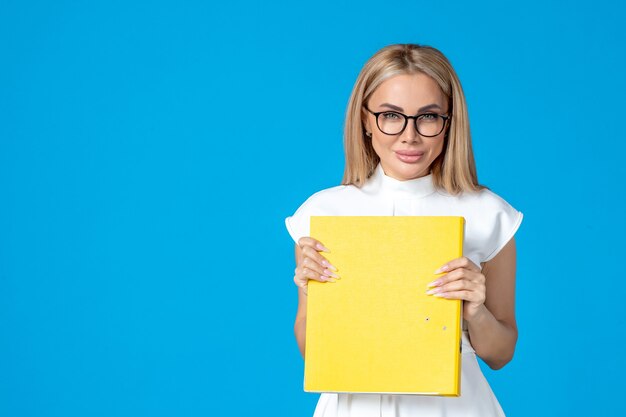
[(330, 273), (442, 269), (322, 247), (433, 291), (328, 279), (328, 265), (435, 283), (440, 294)]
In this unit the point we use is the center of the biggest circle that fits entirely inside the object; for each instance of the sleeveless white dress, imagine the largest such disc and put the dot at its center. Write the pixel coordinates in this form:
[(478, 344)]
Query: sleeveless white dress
[(490, 222)]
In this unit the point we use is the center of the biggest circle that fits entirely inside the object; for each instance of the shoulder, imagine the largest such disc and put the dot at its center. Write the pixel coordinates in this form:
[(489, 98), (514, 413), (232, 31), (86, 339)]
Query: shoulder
[(485, 199), (490, 221), (482, 200)]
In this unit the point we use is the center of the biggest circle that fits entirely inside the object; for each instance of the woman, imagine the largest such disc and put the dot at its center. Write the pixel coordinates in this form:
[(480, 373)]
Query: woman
[(408, 152)]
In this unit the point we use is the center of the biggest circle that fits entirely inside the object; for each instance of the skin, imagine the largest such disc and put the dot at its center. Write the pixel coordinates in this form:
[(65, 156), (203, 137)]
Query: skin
[(406, 94), (487, 291)]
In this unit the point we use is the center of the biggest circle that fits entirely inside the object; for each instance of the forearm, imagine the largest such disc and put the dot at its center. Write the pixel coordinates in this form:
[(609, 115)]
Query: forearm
[(493, 340), (299, 329)]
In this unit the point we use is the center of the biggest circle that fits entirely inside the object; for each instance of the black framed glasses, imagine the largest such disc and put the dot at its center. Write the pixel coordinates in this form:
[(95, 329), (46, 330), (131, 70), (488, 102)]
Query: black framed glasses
[(426, 124)]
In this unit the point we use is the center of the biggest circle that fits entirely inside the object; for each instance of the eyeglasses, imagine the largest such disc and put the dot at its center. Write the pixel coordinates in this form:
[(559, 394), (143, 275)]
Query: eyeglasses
[(394, 123)]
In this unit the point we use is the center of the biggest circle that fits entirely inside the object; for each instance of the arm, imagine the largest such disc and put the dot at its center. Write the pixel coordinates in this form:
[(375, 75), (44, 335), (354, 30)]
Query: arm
[(310, 264), (493, 330), (299, 327), (488, 296)]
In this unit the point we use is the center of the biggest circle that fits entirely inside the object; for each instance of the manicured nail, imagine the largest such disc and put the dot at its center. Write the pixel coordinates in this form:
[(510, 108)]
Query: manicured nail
[(442, 269), (433, 291), (440, 294), (328, 265), (331, 273), (435, 283), (321, 247)]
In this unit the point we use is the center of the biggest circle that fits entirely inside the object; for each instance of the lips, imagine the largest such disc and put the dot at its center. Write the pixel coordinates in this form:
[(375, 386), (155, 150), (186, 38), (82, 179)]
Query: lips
[(409, 156), (410, 153)]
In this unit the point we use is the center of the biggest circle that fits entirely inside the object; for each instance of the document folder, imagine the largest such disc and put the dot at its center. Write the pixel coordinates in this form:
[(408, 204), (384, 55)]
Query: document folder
[(375, 330)]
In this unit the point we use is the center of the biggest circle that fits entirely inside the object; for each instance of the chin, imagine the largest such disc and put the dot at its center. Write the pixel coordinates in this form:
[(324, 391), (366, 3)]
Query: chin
[(409, 171)]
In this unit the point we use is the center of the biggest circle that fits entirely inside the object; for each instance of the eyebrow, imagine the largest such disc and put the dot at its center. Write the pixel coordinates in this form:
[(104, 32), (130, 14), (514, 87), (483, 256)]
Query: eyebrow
[(421, 109)]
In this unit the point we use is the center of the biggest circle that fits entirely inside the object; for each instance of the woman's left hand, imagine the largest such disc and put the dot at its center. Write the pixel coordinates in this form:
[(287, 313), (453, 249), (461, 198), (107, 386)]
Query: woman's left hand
[(463, 281)]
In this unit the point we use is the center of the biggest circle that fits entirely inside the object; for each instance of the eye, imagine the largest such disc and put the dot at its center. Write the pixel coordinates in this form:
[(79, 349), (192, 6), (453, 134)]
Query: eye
[(430, 117), (391, 116)]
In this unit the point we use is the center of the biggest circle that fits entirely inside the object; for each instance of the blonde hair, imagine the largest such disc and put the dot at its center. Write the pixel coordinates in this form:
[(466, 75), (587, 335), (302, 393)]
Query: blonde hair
[(454, 170)]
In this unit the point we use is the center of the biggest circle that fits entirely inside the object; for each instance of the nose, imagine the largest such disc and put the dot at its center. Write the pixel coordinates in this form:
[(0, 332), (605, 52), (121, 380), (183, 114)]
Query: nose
[(410, 135)]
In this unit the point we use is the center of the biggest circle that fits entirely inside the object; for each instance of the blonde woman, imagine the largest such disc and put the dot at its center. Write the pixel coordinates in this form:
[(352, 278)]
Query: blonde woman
[(408, 152)]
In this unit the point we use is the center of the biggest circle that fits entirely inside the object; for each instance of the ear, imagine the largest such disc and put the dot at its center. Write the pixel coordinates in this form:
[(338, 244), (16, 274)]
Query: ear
[(366, 125)]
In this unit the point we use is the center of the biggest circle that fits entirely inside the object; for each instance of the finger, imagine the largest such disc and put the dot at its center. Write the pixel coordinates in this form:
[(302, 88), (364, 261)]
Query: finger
[(311, 274), (302, 284), (462, 262), (457, 286), (304, 274), (316, 257), (310, 247), (312, 265), (313, 243), (455, 275), (300, 281), (459, 273), (470, 296)]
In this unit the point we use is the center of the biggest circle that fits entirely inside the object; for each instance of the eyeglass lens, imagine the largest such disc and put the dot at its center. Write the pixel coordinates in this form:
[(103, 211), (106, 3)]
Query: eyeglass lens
[(428, 124)]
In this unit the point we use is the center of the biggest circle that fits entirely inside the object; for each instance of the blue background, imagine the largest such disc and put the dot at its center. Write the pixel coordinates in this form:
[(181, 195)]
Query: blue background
[(149, 152)]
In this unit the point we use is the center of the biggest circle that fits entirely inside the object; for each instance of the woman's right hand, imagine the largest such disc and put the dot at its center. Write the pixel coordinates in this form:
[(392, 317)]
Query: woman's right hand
[(311, 264)]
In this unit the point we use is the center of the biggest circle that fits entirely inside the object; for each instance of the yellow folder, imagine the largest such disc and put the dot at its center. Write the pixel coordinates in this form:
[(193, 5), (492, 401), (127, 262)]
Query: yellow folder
[(376, 330)]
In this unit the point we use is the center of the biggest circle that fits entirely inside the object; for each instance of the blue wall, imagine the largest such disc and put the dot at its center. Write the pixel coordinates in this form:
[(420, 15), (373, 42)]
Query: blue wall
[(149, 152)]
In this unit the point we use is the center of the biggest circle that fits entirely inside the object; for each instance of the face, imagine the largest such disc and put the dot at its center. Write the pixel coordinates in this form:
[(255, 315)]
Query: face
[(406, 155)]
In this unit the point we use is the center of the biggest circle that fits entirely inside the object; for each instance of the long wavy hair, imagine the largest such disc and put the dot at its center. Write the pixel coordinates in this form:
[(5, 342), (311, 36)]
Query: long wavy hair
[(454, 170)]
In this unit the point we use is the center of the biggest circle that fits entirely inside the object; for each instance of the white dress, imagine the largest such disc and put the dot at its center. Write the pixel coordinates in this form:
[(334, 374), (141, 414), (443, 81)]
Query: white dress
[(490, 222)]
